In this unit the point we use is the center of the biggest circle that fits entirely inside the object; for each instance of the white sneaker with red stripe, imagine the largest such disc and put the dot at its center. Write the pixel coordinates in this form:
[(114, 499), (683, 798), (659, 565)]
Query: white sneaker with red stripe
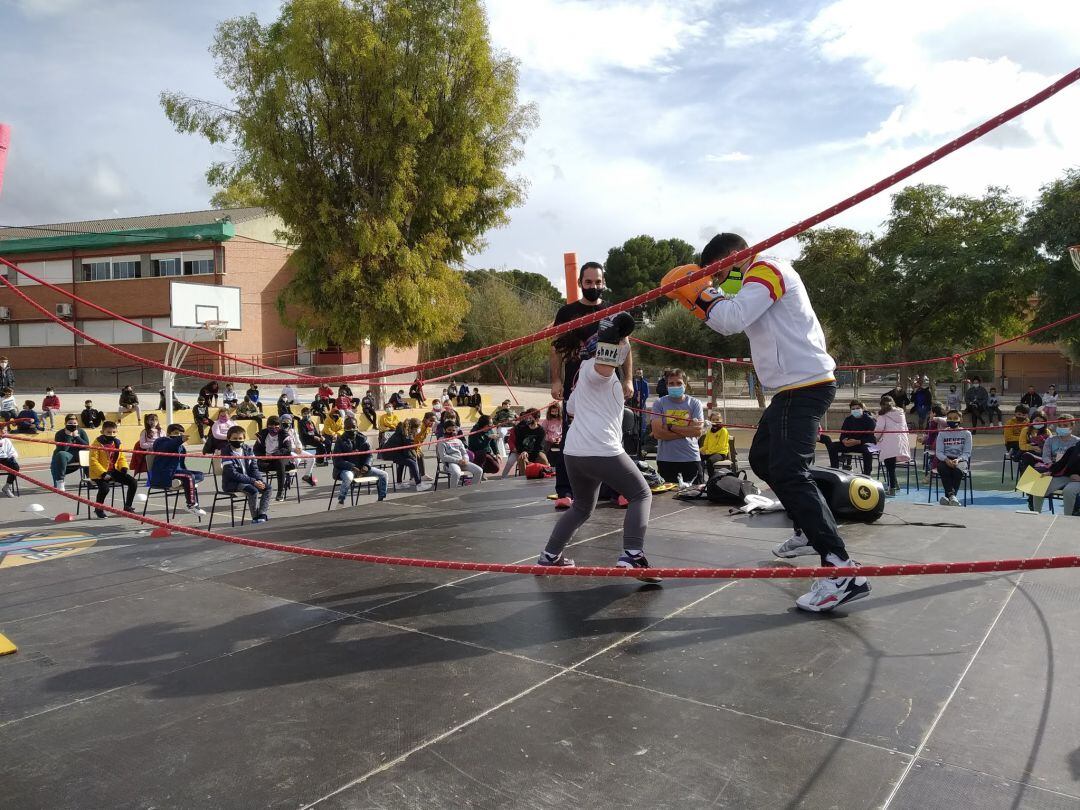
[(828, 593)]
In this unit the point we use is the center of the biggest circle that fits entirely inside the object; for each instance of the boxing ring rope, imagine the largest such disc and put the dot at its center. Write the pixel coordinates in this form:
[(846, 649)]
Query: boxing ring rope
[(892, 570), (705, 272)]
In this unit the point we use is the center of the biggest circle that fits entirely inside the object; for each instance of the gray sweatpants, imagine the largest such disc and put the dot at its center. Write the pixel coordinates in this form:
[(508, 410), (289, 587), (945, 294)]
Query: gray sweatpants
[(586, 473)]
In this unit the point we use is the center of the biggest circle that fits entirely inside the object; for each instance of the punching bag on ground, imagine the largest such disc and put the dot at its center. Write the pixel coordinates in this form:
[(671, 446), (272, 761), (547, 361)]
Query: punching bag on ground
[(850, 496)]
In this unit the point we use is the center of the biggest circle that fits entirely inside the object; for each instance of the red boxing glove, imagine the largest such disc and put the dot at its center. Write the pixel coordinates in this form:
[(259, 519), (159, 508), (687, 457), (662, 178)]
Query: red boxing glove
[(697, 296)]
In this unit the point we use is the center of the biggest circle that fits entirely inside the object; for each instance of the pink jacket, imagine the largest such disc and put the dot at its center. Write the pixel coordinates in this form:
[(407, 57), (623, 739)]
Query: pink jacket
[(893, 445)]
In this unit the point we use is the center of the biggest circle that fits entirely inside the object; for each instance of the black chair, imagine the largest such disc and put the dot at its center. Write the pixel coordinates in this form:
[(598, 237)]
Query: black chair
[(935, 482), (172, 491), (90, 486), (354, 489), (906, 466), (230, 497), (1008, 459)]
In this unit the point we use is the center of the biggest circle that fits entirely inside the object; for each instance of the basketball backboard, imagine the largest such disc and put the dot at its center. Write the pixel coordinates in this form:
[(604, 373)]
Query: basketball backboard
[(192, 305)]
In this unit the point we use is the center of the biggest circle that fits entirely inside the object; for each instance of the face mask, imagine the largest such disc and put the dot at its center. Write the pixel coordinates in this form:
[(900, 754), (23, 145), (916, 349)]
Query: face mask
[(676, 391), (236, 442), (72, 427), (1037, 426), (953, 425), (1064, 431), (717, 428), (109, 440), (223, 418), (275, 430), (350, 432), (856, 412), (591, 294), (177, 436), (952, 390)]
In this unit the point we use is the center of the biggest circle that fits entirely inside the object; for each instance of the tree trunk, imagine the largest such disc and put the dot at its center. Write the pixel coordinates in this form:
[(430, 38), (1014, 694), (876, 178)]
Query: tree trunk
[(376, 355)]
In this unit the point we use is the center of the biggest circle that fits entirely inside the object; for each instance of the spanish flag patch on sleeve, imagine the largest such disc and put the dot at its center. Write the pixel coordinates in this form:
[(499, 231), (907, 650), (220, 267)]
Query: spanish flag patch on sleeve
[(769, 276)]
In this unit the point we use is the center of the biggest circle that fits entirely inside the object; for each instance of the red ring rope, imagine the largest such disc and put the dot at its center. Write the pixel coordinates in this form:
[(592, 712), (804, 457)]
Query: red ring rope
[(906, 569), (710, 270)]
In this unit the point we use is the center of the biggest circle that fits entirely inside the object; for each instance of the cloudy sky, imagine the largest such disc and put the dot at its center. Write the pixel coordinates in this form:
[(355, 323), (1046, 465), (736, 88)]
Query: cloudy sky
[(666, 118)]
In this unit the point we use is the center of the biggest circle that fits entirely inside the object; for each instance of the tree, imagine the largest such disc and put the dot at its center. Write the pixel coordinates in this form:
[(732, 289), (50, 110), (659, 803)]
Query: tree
[(239, 194), (382, 133), (1051, 227), (525, 282), (674, 327), (498, 311), (947, 272), (640, 264)]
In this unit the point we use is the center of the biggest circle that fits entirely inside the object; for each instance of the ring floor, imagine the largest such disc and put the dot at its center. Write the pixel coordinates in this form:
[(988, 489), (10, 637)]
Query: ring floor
[(191, 673)]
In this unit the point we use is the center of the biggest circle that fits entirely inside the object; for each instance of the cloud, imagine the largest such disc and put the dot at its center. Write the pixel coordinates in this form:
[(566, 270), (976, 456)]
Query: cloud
[(742, 36), (727, 157)]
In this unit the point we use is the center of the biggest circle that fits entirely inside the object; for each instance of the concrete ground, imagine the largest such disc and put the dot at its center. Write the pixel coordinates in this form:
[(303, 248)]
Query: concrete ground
[(192, 673)]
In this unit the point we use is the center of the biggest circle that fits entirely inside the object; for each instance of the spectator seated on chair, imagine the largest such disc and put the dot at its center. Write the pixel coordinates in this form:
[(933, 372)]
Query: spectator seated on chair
[(28, 420), (715, 444), (163, 470), (397, 401), (427, 427), (483, 445), (284, 405), (1032, 400), (1012, 431), (240, 474), (529, 441), (953, 452), (344, 403), (448, 415), (1060, 440), (288, 393), (462, 395), (65, 460), (453, 457), (270, 443), (1032, 440), (401, 445), (303, 457), (353, 459), (219, 433), (249, 409), (49, 406), (993, 408), (1064, 478), (311, 437), (108, 466), (255, 396), (367, 407), (129, 403), (9, 460), (922, 401), (856, 436), (90, 416), (893, 442), (476, 402), (200, 415), (8, 409), (333, 425), (388, 420), (978, 402), (934, 423), (150, 433)]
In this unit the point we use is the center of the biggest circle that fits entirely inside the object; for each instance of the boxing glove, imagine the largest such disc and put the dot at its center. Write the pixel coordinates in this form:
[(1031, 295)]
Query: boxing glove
[(611, 350), (697, 296)]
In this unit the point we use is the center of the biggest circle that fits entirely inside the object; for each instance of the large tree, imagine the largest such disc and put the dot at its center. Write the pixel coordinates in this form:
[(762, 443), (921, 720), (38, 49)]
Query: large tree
[(1052, 226), (640, 263), (382, 133), (948, 271)]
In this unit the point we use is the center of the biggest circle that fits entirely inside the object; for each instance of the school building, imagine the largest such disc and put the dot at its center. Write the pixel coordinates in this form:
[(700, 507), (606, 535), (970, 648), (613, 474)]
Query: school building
[(127, 265)]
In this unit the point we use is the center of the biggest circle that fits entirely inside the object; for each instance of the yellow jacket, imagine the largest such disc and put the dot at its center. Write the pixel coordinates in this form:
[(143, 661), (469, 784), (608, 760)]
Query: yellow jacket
[(388, 421), (333, 427), (100, 461), (1014, 427), (718, 442)]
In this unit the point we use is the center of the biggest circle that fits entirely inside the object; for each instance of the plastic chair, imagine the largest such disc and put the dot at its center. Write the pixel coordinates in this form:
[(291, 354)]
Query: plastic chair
[(221, 495), (354, 489)]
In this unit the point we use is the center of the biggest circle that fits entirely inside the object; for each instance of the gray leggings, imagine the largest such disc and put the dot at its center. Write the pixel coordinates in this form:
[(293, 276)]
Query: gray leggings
[(586, 473)]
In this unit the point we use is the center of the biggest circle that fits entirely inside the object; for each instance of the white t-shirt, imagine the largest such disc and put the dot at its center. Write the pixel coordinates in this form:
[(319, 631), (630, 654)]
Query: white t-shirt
[(596, 403)]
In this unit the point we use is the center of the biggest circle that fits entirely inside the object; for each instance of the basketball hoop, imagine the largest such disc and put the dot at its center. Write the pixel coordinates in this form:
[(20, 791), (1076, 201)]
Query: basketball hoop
[(218, 329), (1074, 254)]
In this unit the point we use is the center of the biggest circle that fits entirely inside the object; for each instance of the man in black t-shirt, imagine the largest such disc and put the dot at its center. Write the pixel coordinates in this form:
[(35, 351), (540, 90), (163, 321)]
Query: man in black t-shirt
[(567, 352)]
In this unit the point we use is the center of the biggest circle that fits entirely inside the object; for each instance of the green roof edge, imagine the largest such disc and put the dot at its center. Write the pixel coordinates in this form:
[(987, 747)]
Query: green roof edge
[(212, 232)]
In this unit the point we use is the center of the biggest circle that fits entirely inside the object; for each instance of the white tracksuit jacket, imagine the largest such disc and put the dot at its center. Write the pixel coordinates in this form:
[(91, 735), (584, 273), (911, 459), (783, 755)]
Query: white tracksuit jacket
[(787, 344)]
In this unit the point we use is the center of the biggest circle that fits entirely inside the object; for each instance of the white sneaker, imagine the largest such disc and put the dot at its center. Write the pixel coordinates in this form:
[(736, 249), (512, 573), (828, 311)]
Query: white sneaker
[(943, 501), (424, 486), (953, 501), (795, 546), (6, 492), (826, 594), (196, 510), (60, 485)]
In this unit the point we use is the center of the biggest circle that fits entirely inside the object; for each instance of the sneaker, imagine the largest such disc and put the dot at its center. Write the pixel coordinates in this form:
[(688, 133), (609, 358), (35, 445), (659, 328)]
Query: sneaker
[(101, 513), (60, 485), (6, 492), (943, 501), (259, 519), (280, 497), (558, 561), (564, 503), (196, 510), (340, 501), (795, 546), (309, 480), (265, 518), (621, 502), (953, 501), (424, 486), (892, 492), (826, 594), (628, 560)]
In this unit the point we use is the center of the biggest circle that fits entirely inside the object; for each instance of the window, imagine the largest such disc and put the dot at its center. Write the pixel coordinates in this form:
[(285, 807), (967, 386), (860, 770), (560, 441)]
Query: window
[(127, 269), (165, 267), (96, 271), (199, 267)]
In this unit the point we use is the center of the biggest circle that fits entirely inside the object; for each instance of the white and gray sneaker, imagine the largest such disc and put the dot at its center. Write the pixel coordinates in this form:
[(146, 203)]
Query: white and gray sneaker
[(6, 492), (826, 594), (795, 546), (424, 486)]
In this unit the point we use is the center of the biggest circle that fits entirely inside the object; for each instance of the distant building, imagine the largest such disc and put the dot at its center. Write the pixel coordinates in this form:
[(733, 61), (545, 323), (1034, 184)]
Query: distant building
[(126, 265)]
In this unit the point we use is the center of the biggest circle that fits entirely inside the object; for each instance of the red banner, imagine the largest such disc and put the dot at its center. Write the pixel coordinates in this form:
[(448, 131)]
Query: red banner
[(5, 139)]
